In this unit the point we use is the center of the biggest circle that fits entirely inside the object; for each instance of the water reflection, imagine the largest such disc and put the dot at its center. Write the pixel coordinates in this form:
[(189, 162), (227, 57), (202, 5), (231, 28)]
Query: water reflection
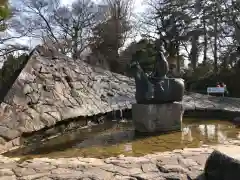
[(128, 147), (114, 139), (210, 132), (187, 134)]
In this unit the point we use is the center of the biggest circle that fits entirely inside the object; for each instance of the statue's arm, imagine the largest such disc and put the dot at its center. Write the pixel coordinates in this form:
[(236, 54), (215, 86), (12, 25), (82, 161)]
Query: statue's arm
[(165, 60), (138, 69)]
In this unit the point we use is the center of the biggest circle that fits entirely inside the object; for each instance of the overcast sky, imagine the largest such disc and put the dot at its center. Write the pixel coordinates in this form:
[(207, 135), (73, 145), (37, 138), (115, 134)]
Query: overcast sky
[(138, 7)]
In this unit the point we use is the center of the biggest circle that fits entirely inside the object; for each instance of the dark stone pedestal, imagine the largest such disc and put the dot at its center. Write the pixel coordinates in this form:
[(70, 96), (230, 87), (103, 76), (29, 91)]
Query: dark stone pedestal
[(152, 118)]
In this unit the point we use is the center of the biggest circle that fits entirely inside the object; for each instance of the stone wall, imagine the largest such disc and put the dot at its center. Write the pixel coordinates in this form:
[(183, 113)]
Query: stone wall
[(53, 88)]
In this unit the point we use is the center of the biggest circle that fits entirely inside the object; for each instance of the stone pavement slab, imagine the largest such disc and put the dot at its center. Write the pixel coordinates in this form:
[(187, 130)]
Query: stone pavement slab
[(182, 164)]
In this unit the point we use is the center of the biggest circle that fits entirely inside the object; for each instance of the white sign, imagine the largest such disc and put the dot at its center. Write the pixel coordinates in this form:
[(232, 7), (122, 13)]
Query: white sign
[(215, 90)]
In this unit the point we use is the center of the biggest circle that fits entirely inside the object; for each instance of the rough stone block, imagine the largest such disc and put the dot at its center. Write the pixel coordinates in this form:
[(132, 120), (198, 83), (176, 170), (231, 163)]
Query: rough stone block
[(237, 121), (157, 117), (223, 164)]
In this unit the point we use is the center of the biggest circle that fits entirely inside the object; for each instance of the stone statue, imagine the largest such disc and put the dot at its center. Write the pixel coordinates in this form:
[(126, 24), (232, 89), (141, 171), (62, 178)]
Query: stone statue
[(157, 88)]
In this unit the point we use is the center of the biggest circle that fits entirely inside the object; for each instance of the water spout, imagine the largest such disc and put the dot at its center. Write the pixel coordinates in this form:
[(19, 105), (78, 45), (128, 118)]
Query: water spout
[(114, 115), (121, 114)]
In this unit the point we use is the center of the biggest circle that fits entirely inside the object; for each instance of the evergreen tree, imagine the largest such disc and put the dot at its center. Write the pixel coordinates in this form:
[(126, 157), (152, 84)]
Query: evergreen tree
[(110, 35), (4, 14)]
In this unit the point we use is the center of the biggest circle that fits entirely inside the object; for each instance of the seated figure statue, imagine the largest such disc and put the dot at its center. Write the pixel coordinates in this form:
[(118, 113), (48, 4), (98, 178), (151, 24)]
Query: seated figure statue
[(157, 88)]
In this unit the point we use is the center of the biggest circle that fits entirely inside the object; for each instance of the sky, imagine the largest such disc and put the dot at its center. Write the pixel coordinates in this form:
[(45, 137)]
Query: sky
[(138, 7), (138, 4)]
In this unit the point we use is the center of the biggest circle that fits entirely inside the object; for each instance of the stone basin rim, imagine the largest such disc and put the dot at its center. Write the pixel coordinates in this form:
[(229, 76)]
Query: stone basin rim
[(187, 113), (225, 115), (204, 147)]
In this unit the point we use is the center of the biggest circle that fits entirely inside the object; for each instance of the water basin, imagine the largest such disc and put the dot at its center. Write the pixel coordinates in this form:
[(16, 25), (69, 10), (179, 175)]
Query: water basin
[(113, 139)]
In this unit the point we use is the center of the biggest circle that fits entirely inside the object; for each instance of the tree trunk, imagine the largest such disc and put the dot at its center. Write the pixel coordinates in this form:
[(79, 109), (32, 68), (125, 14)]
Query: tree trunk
[(194, 51), (225, 62), (215, 40), (178, 59), (75, 45), (205, 39)]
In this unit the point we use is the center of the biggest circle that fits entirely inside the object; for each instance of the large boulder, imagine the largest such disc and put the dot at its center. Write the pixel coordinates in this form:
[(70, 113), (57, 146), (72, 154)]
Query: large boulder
[(223, 164)]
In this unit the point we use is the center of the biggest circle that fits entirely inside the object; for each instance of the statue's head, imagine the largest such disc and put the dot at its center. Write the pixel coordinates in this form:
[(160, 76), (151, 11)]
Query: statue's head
[(161, 49), (159, 45), (133, 67), (161, 66)]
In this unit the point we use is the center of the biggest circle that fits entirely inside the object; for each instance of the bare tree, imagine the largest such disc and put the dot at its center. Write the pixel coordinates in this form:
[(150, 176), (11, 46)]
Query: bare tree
[(74, 25), (35, 18), (48, 21)]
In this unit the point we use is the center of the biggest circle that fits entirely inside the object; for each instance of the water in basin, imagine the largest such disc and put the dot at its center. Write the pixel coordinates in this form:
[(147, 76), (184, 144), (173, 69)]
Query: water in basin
[(113, 139)]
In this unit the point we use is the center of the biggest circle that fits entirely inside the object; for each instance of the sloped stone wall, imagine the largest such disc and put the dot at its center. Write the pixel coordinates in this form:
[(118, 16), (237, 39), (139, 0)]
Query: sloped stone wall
[(54, 88)]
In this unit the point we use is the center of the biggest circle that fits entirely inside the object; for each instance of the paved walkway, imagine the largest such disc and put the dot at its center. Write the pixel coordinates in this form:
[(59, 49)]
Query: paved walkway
[(186, 164)]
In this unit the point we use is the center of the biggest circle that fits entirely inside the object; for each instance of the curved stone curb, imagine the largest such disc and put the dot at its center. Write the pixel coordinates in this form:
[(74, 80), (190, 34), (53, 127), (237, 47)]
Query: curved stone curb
[(178, 165), (223, 164)]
